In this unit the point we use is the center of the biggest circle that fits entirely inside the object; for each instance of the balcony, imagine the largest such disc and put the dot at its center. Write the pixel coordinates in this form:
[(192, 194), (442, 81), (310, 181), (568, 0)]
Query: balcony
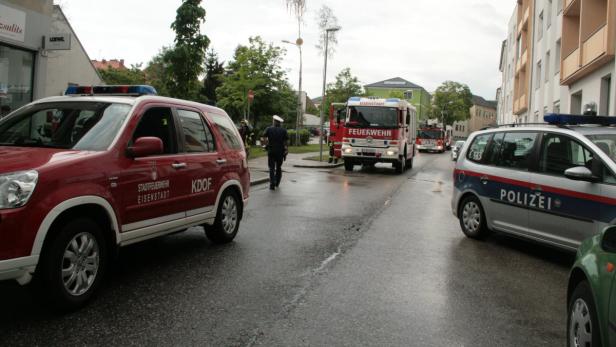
[(523, 22), (520, 105), (568, 4), (595, 46), (570, 65)]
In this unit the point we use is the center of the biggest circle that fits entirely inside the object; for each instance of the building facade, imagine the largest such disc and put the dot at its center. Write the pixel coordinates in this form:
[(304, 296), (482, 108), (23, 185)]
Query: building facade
[(558, 58), (482, 115), (398, 87), (28, 69)]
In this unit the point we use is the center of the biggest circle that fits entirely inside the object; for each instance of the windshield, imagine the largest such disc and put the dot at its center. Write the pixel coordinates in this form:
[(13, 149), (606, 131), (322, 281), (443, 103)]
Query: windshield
[(70, 125), (372, 117), (606, 142), (430, 134)]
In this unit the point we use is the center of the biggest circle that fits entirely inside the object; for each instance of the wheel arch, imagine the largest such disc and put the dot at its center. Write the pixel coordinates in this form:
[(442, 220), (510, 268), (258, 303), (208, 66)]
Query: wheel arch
[(93, 207), (576, 277), (235, 187)]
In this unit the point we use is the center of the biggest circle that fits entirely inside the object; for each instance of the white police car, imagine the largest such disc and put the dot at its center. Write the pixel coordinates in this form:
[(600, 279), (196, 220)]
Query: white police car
[(552, 183)]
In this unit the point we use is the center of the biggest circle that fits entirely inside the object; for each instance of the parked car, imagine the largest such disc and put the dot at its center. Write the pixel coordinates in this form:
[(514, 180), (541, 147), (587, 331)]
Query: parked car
[(591, 294), (555, 184), (104, 167), (455, 150)]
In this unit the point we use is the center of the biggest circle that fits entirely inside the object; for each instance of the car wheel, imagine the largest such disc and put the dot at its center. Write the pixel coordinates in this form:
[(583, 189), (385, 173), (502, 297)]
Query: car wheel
[(227, 220), (348, 165), (472, 218), (582, 327), (72, 265), (409, 164)]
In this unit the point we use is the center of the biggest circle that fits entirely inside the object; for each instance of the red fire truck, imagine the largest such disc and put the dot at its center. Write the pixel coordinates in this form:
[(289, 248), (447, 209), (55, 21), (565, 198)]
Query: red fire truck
[(379, 131), (337, 118), (433, 138)]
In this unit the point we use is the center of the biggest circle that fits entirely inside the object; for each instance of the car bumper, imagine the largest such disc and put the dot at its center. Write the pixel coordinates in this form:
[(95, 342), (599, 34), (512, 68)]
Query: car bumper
[(20, 269), (430, 148), (363, 154)]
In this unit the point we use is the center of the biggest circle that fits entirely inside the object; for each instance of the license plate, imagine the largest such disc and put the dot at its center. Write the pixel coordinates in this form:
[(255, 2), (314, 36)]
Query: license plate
[(369, 150)]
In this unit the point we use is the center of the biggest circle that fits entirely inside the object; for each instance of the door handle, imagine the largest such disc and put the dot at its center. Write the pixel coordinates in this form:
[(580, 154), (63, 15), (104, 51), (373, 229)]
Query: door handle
[(221, 161), (484, 179), (178, 166)]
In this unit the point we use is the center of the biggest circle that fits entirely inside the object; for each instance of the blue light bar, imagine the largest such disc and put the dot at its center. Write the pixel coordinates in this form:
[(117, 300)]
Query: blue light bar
[(392, 100), (135, 90), (568, 119), (355, 98)]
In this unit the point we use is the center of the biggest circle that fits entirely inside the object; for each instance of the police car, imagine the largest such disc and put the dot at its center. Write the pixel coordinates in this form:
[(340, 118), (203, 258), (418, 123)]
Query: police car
[(552, 183), (103, 167)]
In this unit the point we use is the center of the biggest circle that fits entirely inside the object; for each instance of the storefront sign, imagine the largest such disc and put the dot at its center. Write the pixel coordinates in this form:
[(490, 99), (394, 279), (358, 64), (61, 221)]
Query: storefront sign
[(12, 23), (58, 42)]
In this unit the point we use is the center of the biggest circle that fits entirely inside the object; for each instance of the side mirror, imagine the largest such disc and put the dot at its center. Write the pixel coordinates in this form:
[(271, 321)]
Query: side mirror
[(580, 173), (145, 146), (608, 239)]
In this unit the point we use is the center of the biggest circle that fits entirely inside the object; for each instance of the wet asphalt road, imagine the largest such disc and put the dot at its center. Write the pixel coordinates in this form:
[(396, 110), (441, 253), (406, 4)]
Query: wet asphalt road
[(366, 258)]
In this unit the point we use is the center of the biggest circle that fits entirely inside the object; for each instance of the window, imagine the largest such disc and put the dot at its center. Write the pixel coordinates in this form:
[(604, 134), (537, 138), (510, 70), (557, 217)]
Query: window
[(16, 75), (540, 27), (228, 131), (197, 136), (559, 153), (158, 122), (576, 103), (495, 148), (557, 54), (549, 13), (477, 149), (538, 76), (608, 176), (547, 67), (515, 150), (606, 95), (557, 107), (559, 3)]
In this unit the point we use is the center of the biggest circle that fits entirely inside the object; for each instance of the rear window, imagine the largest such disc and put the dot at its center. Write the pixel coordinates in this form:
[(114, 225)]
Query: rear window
[(477, 150), (514, 151), (228, 131)]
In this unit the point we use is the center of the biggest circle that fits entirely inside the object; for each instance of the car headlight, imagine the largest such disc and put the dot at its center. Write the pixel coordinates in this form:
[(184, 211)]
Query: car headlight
[(390, 153), (16, 188), (348, 150)]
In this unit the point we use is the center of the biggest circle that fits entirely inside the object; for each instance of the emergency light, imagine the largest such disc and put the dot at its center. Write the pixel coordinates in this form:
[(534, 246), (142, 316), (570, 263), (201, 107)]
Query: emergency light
[(567, 119), (124, 90)]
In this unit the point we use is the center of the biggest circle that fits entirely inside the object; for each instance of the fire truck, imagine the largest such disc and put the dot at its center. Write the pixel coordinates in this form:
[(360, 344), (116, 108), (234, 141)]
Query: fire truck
[(379, 131), (433, 138), (337, 118)]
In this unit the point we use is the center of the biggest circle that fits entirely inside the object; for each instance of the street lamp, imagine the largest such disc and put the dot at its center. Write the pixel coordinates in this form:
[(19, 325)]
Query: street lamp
[(325, 52), (299, 42)]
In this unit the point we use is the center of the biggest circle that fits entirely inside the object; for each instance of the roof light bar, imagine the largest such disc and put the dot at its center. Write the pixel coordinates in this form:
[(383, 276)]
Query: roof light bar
[(567, 119), (122, 90)]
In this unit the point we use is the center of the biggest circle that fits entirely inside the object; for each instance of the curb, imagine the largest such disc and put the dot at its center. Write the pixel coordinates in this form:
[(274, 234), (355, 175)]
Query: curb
[(318, 166), (259, 181)]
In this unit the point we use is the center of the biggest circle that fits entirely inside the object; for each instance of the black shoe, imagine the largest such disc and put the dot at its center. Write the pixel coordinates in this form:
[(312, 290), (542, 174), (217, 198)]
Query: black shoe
[(272, 187)]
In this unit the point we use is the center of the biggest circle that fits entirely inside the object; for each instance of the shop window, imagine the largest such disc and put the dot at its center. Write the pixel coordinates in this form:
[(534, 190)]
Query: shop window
[(16, 75)]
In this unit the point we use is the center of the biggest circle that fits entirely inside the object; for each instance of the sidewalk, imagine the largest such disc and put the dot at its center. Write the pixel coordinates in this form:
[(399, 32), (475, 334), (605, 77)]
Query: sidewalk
[(259, 171)]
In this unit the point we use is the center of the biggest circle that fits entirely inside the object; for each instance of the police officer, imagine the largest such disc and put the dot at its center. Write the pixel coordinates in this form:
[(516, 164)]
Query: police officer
[(276, 139)]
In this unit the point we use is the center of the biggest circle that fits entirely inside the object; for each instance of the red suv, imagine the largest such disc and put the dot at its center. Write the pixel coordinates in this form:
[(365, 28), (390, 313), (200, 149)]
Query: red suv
[(82, 175)]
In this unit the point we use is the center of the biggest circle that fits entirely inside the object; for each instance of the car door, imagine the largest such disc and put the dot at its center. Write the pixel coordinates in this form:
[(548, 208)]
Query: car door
[(150, 187), (203, 173), (561, 210), (506, 181)]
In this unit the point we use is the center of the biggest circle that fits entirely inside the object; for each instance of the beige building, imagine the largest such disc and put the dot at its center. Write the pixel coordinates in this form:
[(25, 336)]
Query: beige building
[(482, 115), (557, 58)]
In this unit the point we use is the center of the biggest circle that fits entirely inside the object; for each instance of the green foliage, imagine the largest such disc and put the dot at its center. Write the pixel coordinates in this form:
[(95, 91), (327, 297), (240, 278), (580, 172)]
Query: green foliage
[(185, 60), (327, 19), (452, 102), (214, 71), (113, 76), (257, 67), (157, 72), (304, 137), (345, 86), (396, 94)]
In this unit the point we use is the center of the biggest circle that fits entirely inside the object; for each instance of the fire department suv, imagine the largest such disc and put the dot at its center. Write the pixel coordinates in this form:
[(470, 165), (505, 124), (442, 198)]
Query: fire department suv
[(379, 130), (85, 174)]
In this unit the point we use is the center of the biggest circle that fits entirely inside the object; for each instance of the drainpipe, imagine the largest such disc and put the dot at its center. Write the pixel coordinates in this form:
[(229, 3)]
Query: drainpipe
[(531, 90)]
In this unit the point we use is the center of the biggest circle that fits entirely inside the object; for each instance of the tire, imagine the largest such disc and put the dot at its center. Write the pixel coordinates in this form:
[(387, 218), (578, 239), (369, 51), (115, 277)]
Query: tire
[(409, 164), (348, 165), (227, 221), (400, 165), (472, 218), (582, 323), (80, 246)]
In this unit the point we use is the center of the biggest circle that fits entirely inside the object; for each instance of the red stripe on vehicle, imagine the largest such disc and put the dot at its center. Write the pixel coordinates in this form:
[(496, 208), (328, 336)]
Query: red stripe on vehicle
[(549, 189)]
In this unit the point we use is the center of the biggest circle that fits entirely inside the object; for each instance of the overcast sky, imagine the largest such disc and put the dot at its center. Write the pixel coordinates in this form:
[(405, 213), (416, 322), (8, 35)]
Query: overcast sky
[(423, 41)]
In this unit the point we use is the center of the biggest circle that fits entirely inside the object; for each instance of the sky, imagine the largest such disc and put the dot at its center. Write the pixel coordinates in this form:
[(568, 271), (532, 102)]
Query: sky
[(424, 41)]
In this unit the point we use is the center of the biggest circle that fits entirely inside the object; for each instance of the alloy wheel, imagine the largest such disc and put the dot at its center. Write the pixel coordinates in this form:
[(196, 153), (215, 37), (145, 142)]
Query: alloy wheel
[(80, 263)]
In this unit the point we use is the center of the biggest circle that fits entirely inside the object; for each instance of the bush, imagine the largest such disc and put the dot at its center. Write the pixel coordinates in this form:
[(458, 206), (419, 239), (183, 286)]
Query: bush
[(304, 136)]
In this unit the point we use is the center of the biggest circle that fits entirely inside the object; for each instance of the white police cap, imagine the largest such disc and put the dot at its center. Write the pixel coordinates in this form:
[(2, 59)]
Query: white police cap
[(278, 119)]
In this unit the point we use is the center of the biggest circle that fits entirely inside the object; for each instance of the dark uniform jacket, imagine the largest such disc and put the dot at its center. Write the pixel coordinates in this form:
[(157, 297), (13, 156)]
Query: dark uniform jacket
[(277, 137)]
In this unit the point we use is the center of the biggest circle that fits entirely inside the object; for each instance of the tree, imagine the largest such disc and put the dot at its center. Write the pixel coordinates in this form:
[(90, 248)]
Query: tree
[(297, 7), (112, 76), (185, 60), (326, 19), (345, 86), (214, 71), (157, 73), (452, 102), (257, 67)]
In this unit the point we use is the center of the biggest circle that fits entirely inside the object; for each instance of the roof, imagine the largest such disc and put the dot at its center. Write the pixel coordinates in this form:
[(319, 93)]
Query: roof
[(479, 101), (394, 83), (106, 64)]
